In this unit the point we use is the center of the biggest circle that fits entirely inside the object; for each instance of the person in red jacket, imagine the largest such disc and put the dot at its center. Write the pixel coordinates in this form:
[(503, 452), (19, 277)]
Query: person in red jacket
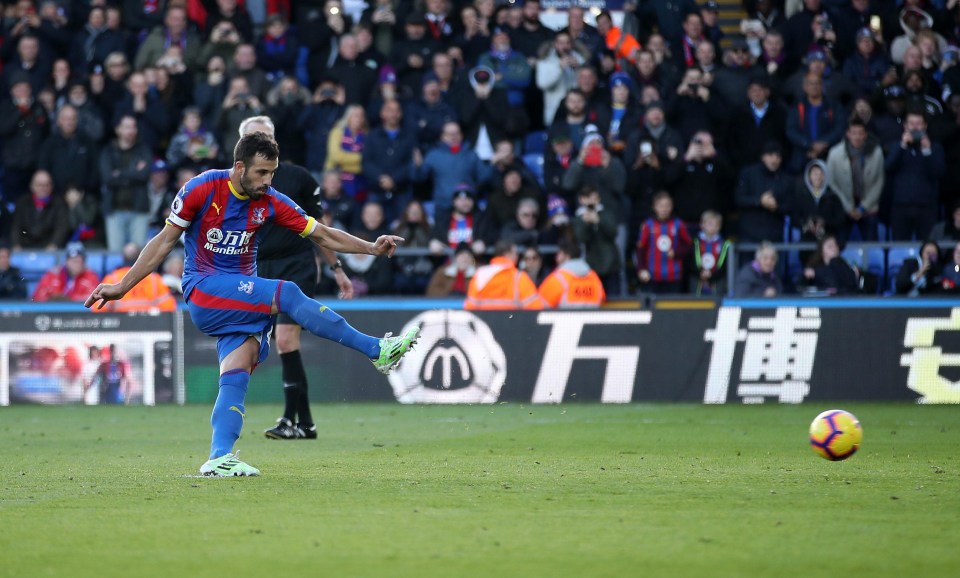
[(71, 281)]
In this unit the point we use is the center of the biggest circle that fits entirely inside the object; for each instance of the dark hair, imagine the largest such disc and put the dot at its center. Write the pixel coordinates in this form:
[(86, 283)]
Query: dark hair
[(857, 121), (253, 144), (571, 248), (503, 247)]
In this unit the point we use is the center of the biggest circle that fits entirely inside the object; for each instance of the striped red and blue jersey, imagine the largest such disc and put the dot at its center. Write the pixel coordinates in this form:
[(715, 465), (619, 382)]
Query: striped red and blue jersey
[(710, 253), (657, 239), (220, 225)]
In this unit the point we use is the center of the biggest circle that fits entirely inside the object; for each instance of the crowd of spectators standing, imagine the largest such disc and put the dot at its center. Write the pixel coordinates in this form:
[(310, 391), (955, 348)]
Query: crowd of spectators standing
[(821, 120)]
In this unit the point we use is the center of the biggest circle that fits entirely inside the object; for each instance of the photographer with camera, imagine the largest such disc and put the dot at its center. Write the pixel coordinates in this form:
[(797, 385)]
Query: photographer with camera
[(914, 169), (694, 108)]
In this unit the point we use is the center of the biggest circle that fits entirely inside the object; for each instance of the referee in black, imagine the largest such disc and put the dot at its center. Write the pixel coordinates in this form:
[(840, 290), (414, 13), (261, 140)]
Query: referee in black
[(282, 254)]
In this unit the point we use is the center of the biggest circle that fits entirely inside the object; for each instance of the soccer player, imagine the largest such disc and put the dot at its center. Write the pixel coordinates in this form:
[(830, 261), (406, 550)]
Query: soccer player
[(282, 254), (219, 213)]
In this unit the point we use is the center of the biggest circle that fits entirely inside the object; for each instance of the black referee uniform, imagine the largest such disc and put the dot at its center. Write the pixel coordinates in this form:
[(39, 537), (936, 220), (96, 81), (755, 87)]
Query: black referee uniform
[(282, 254)]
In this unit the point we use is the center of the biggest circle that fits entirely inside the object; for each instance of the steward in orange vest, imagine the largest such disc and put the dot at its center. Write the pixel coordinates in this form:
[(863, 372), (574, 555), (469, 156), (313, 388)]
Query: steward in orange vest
[(500, 285), (573, 284), (623, 45), (151, 294)]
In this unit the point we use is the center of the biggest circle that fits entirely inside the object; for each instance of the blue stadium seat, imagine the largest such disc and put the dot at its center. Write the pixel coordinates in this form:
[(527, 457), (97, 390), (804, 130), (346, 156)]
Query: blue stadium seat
[(895, 260), (111, 261), (31, 287), (33, 264), (95, 262), (856, 256), (534, 162), (535, 143), (876, 261)]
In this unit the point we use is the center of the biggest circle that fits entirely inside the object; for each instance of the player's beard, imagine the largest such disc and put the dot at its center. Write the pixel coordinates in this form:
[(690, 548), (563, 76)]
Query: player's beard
[(248, 189)]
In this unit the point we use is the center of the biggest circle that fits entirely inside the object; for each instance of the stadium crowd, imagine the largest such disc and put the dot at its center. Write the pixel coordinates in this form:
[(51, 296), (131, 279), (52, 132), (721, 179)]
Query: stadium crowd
[(461, 124)]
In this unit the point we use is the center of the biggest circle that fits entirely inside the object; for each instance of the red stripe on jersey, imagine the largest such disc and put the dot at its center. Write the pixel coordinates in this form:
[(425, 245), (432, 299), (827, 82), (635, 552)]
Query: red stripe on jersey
[(199, 298)]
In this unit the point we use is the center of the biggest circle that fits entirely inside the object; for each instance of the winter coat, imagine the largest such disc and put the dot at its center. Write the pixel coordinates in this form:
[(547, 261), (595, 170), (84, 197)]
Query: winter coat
[(840, 176)]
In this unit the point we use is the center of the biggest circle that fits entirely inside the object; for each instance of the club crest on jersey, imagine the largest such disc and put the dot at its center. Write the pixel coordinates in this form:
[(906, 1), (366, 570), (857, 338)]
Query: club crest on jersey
[(246, 287), (664, 243), (258, 218)]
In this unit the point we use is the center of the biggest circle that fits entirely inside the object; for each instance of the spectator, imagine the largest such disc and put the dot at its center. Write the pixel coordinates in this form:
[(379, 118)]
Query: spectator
[(950, 280), (596, 228), (222, 42), (83, 215), (572, 121), (500, 285), (192, 142), (412, 52), (210, 90), (556, 161), (625, 115), (173, 32), (947, 229), (814, 124), (89, 115), (12, 284), (342, 209), (573, 284), (700, 181), (317, 120), (912, 20), (450, 163), (531, 34), (503, 201), (68, 155), (145, 106), (648, 73), (486, 115), (623, 45), (412, 274), (650, 151), (345, 151), (759, 278), (454, 279), (278, 49), (531, 263), (762, 196), (504, 160), (387, 158), (523, 230), (71, 281), (556, 73), (709, 257), (661, 248), (816, 209), (462, 223), (40, 218), (868, 65), (695, 107), (124, 171), (757, 121), (914, 168), (151, 294), (357, 78), (581, 32), (474, 39), (29, 64), (285, 102), (596, 167), (440, 26), (921, 275), (92, 44), (173, 274), (835, 86), (798, 30), (233, 12), (370, 274), (511, 71), (685, 46), (239, 103), (431, 112), (23, 128), (730, 81), (856, 175), (244, 65), (827, 271), (160, 194), (381, 17)]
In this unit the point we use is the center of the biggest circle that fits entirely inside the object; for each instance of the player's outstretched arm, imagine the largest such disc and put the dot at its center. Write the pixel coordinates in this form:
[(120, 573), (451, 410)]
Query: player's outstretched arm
[(150, 258), (342, 242)]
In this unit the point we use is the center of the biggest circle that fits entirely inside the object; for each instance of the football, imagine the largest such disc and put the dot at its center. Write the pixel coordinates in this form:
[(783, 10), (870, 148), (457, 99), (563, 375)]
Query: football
[(835, 434)]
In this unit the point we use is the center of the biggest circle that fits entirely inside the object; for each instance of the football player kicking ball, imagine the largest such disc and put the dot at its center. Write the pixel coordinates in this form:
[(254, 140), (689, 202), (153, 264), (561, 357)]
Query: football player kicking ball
[(219, 213)]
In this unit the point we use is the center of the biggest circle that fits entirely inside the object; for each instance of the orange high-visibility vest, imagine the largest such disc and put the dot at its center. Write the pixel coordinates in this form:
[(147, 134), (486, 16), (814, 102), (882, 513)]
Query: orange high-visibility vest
[(147, 295), (567, 290), (500, 285), (623, 45)]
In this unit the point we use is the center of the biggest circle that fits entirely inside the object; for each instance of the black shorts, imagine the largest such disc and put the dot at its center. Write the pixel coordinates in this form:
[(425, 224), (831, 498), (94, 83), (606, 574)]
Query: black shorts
[(300, 269)]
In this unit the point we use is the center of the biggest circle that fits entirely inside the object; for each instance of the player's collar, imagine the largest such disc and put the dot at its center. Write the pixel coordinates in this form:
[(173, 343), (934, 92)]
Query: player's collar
[(235, 193)]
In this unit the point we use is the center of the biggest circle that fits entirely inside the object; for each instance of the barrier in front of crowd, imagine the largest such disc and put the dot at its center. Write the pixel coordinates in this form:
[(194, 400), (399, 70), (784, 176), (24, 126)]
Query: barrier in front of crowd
[(740, 351)]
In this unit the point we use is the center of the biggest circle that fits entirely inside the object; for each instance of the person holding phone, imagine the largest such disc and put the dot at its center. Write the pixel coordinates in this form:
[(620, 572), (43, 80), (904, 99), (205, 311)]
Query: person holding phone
[(914, 169)]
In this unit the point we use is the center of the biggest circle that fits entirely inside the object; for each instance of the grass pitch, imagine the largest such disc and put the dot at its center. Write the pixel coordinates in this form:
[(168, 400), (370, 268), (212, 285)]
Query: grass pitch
[(507, 490)]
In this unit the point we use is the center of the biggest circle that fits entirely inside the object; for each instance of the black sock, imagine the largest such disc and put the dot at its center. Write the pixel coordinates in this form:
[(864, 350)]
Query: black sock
[(295, 388), (293, 381)]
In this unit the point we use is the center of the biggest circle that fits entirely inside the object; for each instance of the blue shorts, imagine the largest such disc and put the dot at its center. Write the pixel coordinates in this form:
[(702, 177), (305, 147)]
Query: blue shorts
[(233, 308)]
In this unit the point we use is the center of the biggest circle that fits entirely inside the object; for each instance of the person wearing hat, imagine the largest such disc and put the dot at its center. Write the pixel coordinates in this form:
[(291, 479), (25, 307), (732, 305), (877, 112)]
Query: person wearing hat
[(912, 21), (71, 281), (730, 81), (867, 66), (69, 155), (412, 52), (762, 196), (710, 15), (556, 160), (625, 113), (454, 278), (595, 165), (462, 222)]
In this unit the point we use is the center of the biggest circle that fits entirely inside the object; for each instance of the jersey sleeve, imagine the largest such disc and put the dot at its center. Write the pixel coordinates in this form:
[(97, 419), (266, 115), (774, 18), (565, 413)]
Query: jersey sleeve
[(289, 215), (188, 203)]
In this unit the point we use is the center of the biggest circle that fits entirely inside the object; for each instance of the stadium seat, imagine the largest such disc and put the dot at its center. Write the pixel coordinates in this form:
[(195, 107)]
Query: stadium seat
[(33, 264), (534, 162), (111, 261), (895, 260), (535, 143), (95, 262)]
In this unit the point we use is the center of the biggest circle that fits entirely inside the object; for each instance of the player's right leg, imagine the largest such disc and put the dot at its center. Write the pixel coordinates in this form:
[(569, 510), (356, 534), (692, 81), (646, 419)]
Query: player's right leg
[(385, 353)]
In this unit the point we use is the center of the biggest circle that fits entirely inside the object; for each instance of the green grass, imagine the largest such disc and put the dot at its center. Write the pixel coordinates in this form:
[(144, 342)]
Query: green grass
[(501, 491)]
